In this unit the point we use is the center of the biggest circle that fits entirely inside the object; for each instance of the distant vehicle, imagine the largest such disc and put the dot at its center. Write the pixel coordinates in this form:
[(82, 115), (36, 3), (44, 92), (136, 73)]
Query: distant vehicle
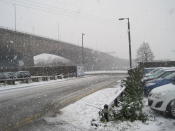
[(2, 75), (22, 74), (159, 82), (7, 75), (163, 99)]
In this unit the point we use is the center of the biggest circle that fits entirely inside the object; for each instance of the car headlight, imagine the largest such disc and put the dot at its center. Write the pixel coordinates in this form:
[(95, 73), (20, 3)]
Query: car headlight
[(150, 94), (157, 95)]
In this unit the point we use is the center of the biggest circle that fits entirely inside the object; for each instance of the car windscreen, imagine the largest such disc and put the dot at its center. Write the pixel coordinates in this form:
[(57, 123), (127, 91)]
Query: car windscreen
[(172, 75), (158, 73), (165, 74), (155, 70)]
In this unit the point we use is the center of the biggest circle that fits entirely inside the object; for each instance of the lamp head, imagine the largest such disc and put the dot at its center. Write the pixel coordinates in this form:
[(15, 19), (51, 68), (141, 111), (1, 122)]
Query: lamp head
[(121, 18)]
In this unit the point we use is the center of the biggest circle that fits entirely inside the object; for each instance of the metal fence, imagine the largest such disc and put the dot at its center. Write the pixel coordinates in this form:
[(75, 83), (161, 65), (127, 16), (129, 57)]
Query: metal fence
[(44, 71)]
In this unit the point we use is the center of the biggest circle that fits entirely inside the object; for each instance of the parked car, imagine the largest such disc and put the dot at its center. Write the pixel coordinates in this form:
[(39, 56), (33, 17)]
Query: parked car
[(1, 75), (22, 74), (163, 99), (7, 75), (159, 82), (153, 71), (156, 70), (158, 74), (165, 76), (148, 70)]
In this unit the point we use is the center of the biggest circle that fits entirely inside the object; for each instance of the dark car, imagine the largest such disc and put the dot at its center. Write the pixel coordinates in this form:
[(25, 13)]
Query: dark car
[(2, 75), (148, 70), (7, 75), (159, 82), (159, 74), (22, 74)]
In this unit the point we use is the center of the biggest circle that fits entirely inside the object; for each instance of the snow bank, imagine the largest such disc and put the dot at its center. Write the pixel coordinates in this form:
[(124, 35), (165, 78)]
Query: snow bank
[(19, 85), (106, 72), (78, 116), (81, 113)]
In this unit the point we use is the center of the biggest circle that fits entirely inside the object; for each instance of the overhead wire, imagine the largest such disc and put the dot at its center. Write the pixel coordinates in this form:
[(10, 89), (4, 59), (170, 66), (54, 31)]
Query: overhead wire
[(56, 10), (49, 5)]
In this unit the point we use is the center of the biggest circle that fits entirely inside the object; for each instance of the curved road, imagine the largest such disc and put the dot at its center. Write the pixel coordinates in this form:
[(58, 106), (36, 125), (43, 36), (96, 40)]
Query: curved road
[(23, 105)]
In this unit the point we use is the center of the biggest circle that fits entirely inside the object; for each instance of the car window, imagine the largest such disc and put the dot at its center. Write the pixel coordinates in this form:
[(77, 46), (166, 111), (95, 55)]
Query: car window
[(170, 76), (158, 73), (155, 70), (165, 74)]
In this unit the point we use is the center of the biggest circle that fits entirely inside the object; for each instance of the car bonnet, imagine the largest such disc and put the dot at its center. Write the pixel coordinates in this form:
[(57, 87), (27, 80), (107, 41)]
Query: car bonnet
[(164, 88)]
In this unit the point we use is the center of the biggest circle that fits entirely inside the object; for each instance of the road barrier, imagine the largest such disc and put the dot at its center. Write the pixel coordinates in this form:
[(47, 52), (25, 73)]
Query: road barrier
[(31, 79), (40, 74), (45, 71)]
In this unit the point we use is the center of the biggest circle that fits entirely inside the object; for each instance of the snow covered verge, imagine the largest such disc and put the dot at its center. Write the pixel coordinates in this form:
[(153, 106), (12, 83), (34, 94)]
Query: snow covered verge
[(33, 84), (106, 72), (78, 116)]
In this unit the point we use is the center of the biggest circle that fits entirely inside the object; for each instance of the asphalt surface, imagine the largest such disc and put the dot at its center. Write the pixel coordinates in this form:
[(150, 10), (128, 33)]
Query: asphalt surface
[(19, 107)]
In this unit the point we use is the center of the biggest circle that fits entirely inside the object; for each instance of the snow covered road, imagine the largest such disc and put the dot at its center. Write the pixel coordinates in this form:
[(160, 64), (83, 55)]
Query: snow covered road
[(19, 106), (78, 117)]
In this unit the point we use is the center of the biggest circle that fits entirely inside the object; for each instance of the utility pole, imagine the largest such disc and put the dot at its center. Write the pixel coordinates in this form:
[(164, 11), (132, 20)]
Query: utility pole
[(129, 39), (15, 43), (82, 49), (58, 32), (15, 15)]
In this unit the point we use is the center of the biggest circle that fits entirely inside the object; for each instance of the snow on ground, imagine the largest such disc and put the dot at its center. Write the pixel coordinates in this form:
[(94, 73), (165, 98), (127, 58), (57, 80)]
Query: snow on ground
[(107, 72), (83, 111), (78, 116), (18, 85)]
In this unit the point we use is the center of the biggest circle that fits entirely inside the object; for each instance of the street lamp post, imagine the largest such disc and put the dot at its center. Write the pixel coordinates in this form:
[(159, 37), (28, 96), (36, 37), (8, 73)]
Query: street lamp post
[(129, 39), (82, 48), (15, 16)]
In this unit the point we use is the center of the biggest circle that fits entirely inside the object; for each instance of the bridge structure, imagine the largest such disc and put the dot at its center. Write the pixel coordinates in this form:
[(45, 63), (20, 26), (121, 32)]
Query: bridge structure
[(18, 49)]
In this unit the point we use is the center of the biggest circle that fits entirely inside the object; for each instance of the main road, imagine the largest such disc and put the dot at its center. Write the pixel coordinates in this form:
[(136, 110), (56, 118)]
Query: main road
[(20, 106)]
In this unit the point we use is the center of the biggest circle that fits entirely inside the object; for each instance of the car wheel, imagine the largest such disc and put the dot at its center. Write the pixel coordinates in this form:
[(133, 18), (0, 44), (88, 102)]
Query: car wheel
[(172, 108)]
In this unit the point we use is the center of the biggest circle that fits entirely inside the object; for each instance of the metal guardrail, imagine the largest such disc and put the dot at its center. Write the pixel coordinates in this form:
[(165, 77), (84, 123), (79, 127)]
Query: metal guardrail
[(31, 79)]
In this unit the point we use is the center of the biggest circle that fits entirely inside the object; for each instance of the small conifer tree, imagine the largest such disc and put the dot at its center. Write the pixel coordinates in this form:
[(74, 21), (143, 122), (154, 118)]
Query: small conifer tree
[(131, 100)]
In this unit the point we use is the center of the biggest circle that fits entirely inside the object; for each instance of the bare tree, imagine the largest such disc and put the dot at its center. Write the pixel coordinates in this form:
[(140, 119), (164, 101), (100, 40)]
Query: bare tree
[(144, 53)]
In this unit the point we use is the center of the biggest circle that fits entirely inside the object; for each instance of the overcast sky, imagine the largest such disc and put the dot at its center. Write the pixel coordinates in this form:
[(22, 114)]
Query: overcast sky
[(152, 21)]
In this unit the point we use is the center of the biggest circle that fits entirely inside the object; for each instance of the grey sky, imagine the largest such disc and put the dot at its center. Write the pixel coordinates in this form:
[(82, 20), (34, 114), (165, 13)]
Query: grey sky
[(152, 21)]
